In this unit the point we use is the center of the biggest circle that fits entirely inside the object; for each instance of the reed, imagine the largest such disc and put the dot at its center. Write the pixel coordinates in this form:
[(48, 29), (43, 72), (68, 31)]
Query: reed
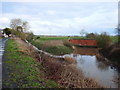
[(70, 60)]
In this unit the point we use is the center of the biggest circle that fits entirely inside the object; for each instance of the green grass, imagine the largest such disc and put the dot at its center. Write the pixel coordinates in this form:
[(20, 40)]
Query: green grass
[(53, 38), (58, 50), (22, 70), (42, 38), (38, 44), (114, 38)]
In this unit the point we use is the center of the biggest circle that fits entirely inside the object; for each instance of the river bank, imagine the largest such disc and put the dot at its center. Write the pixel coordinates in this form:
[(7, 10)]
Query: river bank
[(112, 53), (94, 65), (57, 69), (98, 57), (53, 45), (21, 69)]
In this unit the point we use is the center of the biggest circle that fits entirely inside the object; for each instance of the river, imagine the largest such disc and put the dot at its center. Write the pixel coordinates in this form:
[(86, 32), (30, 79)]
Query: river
[(103, 73), (91, 67)]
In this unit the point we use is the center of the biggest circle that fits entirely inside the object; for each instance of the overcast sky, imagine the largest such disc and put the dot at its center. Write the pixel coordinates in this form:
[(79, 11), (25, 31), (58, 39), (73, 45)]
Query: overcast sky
[(62, 18)]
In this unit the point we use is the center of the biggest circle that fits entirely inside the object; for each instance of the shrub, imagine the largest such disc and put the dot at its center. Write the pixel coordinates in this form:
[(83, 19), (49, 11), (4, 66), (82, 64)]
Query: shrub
[(68, 44), (39, 45), (91, 35), (58, 50), (30, 36), (70, 59), (103, 40), (22, 35), (38, 37), (7, 31)]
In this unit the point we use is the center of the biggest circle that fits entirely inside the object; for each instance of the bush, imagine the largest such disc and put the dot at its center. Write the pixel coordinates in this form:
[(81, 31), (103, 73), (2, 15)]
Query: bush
[(68, 44), (37, 44), (103, 40), (7, 31), (19, 34), (38, 37), (58, 50), (91, 35), (70, 60), (30, 36)]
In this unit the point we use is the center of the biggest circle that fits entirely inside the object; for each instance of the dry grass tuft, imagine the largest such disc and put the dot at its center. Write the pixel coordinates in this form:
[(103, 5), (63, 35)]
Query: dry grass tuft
[(67, 75), (73, 78), (70, 60)]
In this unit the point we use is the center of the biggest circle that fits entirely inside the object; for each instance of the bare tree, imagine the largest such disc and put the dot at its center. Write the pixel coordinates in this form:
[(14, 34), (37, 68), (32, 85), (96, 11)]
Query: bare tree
[(19, 25), (19, 28), (82, 32)]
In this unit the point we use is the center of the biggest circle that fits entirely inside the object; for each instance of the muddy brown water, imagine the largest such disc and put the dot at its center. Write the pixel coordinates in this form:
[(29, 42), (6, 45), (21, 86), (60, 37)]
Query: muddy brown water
[(104, 74)]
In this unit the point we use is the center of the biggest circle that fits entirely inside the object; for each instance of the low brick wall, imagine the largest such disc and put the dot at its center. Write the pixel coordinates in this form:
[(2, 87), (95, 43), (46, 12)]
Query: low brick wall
[(84, 42)]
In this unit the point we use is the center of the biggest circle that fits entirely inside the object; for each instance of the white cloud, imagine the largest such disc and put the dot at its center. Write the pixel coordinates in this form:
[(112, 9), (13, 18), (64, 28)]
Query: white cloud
[(13, 15), (57, 26), (4, 22), (50, 12), (52, 22), (60, 0)]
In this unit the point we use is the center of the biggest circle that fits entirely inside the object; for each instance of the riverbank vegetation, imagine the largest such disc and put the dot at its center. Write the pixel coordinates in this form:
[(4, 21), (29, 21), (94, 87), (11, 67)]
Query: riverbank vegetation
[(54, 45), (59, 45), (24, 67), (20, 70), (108, 45), (103, 40), (112, 52)]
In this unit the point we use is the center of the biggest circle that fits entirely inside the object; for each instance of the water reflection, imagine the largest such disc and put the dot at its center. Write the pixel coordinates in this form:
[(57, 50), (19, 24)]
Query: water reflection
[(82, 60), (117, 79), (85, 51), (93, 68), (101, 66)]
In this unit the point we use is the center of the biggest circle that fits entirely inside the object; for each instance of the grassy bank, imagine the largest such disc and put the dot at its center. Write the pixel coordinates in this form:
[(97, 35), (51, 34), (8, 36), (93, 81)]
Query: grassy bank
[(114, 38), (55, 49), (21, 70), (58, 50)]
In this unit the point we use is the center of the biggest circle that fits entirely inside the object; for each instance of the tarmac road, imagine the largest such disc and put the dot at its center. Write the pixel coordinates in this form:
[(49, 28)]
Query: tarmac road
[(2, 48)]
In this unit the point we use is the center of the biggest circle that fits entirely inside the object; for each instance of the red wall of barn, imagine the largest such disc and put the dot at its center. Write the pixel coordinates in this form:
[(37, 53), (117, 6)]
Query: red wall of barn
[(84, 42)]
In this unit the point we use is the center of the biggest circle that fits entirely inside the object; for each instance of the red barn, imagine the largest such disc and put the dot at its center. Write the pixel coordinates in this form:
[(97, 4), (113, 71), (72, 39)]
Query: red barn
[(84, 42)]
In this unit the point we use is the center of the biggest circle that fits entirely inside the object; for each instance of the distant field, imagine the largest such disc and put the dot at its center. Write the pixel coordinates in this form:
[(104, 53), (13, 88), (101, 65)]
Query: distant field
[(57, 37), (114, 38)]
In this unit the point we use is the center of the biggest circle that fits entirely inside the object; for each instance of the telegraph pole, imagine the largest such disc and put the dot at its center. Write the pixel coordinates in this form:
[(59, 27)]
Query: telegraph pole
[(118, 32), (118, 28)]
